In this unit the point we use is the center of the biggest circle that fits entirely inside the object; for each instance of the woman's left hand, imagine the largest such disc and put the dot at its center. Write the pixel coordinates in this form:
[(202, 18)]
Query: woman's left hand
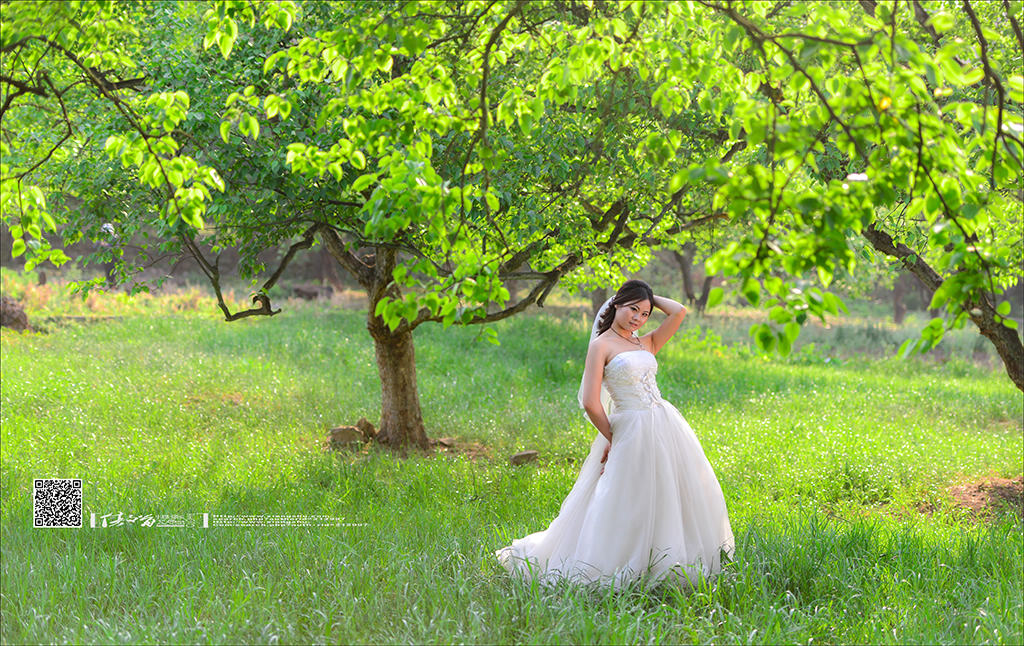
[(604, 458)]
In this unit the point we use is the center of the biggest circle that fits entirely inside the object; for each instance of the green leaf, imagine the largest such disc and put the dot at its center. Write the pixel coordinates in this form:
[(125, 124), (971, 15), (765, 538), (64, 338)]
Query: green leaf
[(765, 338), (942, 22), (714, 297), (780, 315), (363, 181), (215, 180), (225, 130), (225, 43), (1016, 87), (526, 123), (677, 181), (785, 345), (752, 291), (832, 303), (491, 335), (284, 19), (824, 275), (945, 291), (399, 273), (908, 347), (792, 331), (36, 194), (272, 60), (358, 159), (17, 248)]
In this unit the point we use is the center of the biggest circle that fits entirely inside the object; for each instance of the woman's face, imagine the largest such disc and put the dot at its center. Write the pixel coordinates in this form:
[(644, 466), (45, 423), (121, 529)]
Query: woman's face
[(632, 316)]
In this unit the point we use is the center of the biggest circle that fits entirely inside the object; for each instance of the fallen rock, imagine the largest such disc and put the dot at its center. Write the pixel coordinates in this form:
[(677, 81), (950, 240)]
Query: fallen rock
[(343, 437), (12, 314), (523, 457), (366, 428), (313, 292)]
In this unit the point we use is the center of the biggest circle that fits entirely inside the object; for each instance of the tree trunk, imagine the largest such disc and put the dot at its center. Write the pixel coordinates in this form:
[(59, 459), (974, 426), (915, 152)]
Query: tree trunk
[(329, 272), (513, 290), (685, 260), (597, 299), (401, 421), (899, 292), (1006, 341), (705, 291)]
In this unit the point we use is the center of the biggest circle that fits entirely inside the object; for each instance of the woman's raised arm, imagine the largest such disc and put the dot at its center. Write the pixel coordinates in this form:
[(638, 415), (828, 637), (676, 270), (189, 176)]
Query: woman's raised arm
[(676, 313)]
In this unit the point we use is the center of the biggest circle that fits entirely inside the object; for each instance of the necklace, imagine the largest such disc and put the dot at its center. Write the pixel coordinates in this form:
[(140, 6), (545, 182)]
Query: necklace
[(630, 338)]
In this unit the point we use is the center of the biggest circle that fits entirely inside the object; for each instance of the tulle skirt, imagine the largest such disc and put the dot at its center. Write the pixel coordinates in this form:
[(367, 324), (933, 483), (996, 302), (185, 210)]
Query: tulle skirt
[(656, 514)]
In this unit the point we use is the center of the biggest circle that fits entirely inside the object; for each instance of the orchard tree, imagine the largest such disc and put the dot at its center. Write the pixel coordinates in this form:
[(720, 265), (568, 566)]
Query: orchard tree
[(435, 149), (899, 123)]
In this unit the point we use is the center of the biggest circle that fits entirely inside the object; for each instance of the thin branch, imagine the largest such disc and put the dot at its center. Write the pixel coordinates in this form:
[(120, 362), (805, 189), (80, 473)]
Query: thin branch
[(760, 37), (994, 78), (537, 295), (821, 39), (23, 87), (481, 131), (922, 18), (1015, 25), (67, 122), (305, 243), (524, 254), (779, 6)]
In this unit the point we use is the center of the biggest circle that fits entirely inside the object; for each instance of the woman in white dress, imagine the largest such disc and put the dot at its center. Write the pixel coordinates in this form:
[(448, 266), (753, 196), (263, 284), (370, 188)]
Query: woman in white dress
[(646, 505)]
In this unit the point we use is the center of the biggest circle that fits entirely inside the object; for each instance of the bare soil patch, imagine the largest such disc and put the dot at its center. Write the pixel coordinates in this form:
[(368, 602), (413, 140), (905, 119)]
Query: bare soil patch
[(990, 494)]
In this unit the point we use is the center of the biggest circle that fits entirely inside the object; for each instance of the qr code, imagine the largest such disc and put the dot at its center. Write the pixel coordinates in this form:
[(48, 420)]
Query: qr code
[(57, 503)]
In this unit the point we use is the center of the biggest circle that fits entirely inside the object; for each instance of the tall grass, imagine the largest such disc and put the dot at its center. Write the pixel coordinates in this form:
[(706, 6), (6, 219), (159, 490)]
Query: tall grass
[(823, 465)]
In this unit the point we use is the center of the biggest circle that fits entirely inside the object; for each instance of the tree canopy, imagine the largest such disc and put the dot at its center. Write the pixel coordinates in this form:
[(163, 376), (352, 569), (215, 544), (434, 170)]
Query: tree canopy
[(440, 149)]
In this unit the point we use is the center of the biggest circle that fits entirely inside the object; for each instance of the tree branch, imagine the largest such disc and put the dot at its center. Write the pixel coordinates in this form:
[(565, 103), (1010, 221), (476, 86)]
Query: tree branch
[(994, 79), (1014, 24), (362, 272)]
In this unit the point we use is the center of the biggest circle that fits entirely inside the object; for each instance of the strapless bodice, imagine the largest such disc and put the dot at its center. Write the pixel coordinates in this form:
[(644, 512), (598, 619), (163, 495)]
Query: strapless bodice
[(629, 378)]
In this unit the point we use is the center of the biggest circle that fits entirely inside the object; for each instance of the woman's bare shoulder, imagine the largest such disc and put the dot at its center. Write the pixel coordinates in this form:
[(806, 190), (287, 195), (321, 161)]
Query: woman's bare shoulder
[(599, 346)]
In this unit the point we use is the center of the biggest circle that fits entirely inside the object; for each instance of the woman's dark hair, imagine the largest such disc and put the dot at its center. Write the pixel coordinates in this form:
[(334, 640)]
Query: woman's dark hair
[(630, 292)]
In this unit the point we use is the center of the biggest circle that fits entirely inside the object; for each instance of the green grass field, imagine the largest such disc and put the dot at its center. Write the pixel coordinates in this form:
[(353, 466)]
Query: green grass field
[(824, 465)]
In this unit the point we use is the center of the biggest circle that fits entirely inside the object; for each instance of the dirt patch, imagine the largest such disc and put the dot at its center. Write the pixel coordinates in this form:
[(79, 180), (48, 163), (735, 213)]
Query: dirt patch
[(988, 495), (62, 320)]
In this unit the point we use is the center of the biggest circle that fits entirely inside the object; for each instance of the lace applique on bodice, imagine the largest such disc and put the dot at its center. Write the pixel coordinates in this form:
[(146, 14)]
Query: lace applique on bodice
[(629, 378)]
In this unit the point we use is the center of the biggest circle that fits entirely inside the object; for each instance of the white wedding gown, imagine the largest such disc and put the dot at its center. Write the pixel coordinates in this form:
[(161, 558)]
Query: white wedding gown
[(656, 513)]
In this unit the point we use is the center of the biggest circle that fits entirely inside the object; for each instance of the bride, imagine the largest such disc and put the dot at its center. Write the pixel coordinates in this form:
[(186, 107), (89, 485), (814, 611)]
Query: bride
[(646, 505)]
